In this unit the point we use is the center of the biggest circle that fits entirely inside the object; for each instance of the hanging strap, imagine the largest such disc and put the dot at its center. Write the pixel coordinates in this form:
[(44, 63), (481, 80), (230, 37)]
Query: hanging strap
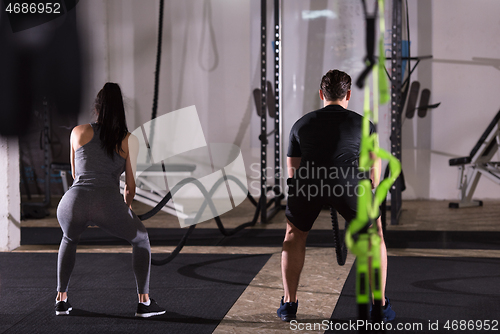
[(362, 240), (370, 60)]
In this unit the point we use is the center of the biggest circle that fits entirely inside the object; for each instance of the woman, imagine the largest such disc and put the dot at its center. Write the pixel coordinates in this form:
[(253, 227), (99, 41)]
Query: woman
[(100, 152)]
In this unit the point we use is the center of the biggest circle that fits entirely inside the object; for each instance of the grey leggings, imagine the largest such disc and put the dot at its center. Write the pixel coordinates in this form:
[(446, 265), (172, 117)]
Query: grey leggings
[(82, 206)]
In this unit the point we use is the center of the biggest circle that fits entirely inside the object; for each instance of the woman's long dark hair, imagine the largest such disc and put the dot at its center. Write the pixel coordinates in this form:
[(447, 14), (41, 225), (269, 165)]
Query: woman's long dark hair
[(111, 118)]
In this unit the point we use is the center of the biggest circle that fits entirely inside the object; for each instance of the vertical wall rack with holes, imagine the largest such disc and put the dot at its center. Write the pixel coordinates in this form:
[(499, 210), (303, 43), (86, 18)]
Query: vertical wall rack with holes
[(399, 93), (269, 209), (396, 104)]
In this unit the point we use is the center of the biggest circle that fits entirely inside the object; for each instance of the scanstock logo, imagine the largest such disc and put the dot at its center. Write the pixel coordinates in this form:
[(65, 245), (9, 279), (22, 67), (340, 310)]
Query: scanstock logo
[(206, 180)]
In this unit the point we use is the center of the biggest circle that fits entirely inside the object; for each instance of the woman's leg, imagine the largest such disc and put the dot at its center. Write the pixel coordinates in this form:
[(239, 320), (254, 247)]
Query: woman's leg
[(72, 219), (65, 264), (117, 219)]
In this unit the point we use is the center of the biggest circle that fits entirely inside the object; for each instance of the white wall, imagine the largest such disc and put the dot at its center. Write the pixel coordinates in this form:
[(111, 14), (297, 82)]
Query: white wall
[(205, 61), (119, 37), (416, 132), (10, 203), (468, 88), (317, 36), (455, 33)]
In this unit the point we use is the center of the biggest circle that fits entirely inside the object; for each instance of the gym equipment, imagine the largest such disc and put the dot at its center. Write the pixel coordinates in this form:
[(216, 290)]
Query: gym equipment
[(270, 98), (424, 101), (64, 169), (338, 238), (478, 163), (38, 210), (262, 204), (147, 192), (412, 100), (207, 195), (266, 100), (274, 107), (362, 237), (256, 98), (150, 193), (265, 97), (399, 92)]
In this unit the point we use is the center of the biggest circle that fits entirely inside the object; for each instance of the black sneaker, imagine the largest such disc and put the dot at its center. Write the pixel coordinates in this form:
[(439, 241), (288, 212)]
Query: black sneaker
[(153, 309), (63, 308), (287, 311), (388, 313)]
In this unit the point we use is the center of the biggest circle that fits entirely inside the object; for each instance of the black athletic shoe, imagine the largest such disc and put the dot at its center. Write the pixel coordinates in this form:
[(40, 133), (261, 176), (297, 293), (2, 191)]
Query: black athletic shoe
[(288, 311), (63, 308), (388, 313), (153, 309)]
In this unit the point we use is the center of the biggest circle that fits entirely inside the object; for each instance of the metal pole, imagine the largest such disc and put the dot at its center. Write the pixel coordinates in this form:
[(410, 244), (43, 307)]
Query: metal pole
[(277, 117), (263, 128), (396, 104)]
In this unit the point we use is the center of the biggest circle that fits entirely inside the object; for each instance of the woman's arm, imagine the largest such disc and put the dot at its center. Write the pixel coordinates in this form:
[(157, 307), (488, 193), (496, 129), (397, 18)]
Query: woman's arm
[(72, 141), (80, 135), (132, 146)]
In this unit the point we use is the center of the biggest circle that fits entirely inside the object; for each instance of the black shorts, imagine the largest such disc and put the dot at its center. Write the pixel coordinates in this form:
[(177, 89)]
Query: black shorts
[(307, 197)]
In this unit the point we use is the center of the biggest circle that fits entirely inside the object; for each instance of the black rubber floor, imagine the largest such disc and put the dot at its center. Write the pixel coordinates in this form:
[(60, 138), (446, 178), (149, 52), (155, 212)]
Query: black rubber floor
[(196, 289), (271, 238), (433, 291)]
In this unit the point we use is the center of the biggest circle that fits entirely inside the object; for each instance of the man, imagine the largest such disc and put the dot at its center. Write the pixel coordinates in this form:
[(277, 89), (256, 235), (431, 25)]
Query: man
[(322, 169)]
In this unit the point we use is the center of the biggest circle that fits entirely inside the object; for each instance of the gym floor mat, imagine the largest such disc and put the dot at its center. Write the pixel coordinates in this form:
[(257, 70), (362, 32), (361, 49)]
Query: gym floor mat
[(271, 238), (197, 291), (431, 290)]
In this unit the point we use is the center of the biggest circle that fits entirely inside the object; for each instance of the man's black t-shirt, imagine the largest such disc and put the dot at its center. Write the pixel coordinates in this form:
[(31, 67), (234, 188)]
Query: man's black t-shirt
[(330, 136)]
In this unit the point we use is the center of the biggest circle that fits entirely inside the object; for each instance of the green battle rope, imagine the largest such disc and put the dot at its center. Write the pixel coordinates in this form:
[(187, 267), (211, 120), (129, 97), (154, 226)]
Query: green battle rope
[(362, 237)]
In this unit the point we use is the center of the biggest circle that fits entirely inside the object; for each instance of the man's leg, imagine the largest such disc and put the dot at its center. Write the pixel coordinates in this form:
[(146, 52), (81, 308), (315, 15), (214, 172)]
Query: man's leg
[(383, 258), (292, 260), (388, 313)]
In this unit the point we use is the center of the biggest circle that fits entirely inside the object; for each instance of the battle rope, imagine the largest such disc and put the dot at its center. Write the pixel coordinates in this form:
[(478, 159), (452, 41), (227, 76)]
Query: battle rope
[(207, 201), (157, 77), (158, 61), (338, 238), (207, 195), (362, 237)]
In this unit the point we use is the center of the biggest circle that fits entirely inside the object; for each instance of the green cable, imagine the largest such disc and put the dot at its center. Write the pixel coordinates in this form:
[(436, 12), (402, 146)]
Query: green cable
[(367, 244)]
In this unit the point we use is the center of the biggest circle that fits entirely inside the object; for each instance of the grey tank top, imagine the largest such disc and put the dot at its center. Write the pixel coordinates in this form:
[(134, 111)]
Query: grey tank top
[(94, 167)]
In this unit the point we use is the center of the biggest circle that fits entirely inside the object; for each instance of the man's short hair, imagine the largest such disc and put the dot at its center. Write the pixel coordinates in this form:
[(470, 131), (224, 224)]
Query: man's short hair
[(335, 85)]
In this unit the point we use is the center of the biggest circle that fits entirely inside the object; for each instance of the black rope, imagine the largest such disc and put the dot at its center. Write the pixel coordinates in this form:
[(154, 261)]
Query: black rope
[(370, 58), (338, 238), (182, 183), (158, 61), (207, 201), (176, 251), (157, 80), (207, 195)]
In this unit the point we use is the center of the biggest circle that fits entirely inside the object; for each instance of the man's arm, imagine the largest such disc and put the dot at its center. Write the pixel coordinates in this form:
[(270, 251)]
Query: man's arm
[(292, 164), (375, 170)]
